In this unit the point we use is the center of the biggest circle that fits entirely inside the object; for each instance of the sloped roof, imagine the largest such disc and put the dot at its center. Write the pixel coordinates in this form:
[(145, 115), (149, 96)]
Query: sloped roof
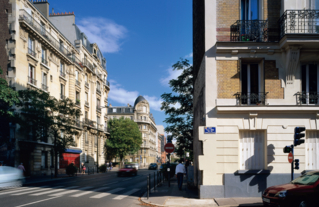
[(139, 99)]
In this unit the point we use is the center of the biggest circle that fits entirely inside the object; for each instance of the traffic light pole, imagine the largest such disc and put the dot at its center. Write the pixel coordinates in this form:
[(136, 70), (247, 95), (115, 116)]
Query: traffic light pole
[(292, 163)]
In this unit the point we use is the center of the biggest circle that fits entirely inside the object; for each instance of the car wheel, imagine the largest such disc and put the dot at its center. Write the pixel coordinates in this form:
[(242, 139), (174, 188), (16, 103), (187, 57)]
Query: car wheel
[(303, 204)]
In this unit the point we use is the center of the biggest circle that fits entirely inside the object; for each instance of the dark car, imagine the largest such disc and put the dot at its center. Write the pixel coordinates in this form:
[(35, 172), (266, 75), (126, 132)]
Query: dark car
[(128, 170), (301, 192), (153, 166)]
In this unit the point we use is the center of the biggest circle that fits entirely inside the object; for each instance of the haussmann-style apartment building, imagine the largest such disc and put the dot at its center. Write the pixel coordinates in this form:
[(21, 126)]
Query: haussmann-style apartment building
[(47, 51), (141, 114), (256, 78)]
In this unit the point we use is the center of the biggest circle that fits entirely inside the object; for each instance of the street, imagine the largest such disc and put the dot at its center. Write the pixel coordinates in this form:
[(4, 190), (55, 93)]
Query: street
[(96, 190)]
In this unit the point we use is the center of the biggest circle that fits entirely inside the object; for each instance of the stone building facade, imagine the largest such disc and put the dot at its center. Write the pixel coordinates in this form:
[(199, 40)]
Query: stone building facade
[(256, 79), (141, 114), (42, 56)]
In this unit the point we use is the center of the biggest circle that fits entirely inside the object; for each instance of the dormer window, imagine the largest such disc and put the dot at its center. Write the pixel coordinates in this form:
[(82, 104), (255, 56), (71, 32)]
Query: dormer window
[(94, 51), (84, 41)]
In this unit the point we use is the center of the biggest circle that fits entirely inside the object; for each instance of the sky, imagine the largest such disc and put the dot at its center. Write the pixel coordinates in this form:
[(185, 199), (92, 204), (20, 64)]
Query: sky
[(140, 39)]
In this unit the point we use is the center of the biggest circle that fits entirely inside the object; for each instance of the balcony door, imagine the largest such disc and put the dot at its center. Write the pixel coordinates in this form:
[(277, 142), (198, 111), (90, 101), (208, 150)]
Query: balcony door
[(250, 9), (252, 86), (309, 83)]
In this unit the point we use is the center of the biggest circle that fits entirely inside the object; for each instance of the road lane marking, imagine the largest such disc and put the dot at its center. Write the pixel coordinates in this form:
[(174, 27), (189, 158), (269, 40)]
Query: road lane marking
[(37, 201), (101, 195), (88, 192), (120, 197), (71, 191), (33, 190), (14, 191), (53, 191), (110, 183)]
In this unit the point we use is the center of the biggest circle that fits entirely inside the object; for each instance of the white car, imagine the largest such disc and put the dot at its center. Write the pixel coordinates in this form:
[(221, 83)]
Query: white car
[(135, 165), (10, 177)]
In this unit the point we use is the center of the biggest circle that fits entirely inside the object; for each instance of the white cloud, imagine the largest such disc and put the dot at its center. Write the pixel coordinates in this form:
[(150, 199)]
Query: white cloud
[(172, 74), (104, 32), (125, 97), (190, 55)]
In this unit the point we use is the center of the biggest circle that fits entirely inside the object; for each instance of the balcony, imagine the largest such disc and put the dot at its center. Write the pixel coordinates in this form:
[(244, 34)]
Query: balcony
[(62, 74), (311, 98), (98, 109), (78, 123), (251, 98), (89, 122), (107, 83), (87, 84), (76, 61), (99, 75), (32, 53), (44, 61), (105, 129), (98, 91), (249, 31), (100, 127), (62, 96), (105, 100), (87, 103), (78, 102), (303, 22), (32, 81), (88, 65), (45, 87), (78, 83)]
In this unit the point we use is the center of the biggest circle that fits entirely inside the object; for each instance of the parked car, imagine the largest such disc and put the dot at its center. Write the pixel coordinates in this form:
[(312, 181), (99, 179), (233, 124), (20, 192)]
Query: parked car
[(10, 177), (301, 192), (128, 170), (135, 165), (153, 166)]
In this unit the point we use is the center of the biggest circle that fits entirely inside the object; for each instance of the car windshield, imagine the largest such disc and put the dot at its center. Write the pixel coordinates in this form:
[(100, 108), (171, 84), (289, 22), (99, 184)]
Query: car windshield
[(128, 166), (307, 179)]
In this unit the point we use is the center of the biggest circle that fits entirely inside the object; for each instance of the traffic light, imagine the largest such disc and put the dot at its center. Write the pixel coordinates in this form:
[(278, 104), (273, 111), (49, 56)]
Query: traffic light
[(298, 136), (297, 164), (287, 149)]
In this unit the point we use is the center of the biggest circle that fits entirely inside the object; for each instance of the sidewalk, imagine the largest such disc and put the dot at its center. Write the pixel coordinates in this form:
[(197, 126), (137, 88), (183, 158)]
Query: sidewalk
[(172, 197)]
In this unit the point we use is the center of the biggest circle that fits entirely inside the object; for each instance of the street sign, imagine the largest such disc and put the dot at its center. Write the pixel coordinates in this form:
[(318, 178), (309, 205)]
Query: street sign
[(210, 130), (290, 157), (169, 147)]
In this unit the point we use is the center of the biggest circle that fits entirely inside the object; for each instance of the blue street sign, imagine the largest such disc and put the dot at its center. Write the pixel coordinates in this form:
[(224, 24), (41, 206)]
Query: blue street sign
[(209, 130)]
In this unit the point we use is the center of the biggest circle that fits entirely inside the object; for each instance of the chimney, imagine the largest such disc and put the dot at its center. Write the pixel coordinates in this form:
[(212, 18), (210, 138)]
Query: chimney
[(128, 105), (110, 105), (43, 6)]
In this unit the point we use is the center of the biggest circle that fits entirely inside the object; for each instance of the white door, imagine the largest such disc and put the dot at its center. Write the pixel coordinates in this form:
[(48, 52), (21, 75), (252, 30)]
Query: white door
[(312, 147)]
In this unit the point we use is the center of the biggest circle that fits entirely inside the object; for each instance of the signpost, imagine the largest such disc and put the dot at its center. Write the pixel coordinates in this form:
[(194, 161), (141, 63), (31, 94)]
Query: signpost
[(290, 157), (169, 148)]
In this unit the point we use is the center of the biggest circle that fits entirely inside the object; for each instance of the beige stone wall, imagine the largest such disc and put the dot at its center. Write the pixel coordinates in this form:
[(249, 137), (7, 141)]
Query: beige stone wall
[(272, 81), (228, 77)]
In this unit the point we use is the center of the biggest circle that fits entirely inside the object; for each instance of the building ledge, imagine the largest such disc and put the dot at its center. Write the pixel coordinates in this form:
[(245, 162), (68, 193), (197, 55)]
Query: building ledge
[(281, 108)]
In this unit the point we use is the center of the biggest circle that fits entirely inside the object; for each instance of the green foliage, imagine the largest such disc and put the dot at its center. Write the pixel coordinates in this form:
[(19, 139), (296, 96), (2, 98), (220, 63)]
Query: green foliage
[(43, 117), (179, 108), (8, 98), (71, 169), (125, 138), (102, 168)]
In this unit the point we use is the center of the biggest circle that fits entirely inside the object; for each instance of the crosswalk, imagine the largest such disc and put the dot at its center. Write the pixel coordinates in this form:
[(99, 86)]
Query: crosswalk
[(72, 191)]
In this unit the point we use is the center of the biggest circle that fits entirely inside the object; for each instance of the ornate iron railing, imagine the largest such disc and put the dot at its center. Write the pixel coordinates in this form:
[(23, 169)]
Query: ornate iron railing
[(32, 81), (307, 98), (89, 122), (31, 52), (299, 22), (45, 87), (98, 90), (251, 98), (62, 74), (88, 65), (98, 108), (249, 31)]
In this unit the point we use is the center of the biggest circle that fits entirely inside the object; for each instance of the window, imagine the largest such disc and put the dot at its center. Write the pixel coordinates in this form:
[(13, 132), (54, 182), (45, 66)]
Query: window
[(252, 84), (94, 50), (43, 56), (51, 159), (31, 44), (84, 41), (61, 46), (144, 118), (42, 28), (85, 157), (86, 114), (86, 97), (105, 124), (62, 90), (114, 110), (77, 96), (76, 75), (144, 109), (95, 140), (252, 150), (61, 67), (44, 158), (98, 102), (31, 75), (86, 136), (44, 81), (144, 126), (98, 120), (131, 117), (98, 86), (312, 150), (86, 78), (250, 9), (314, 4), (309, 84)]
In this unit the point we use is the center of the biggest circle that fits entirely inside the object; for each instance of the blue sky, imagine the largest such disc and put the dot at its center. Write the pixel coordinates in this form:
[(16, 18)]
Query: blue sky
[(140, 39)]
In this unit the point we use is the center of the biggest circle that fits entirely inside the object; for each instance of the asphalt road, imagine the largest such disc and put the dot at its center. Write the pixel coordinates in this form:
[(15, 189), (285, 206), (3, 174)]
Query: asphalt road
[(94, 190)]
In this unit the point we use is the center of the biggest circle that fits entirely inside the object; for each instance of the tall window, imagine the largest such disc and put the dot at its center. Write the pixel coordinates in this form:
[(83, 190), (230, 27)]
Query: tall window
[(98, 86), (144, 109), (84, 41), (86, 115), (314, 4), (144, 126), (98, 102), (44, 81), (98, 120), (250, 9), (62, 90), (312, 150), (31, 74), (62, 69), (77, 96), (31, 44), (86, 78), (76, 75), (252, 150), (43, 56), (86, 136), (309, 83), (42, 28), (86, 97), (44, 158)]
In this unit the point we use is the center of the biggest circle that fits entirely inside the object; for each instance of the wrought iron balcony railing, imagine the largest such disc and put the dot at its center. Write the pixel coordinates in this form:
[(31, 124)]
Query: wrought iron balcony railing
[(87, 103), (44, 61), (107, 83), (62, 96), (62, 74), (77, 61), (88, 65), (251, 98), (77, 82), (45, 87), (89, 122), (299, 22), (98, 108), (249, 31), (32, 81), (307, 98), (100, 127), (98, 90), (87, 84), (31, 52)]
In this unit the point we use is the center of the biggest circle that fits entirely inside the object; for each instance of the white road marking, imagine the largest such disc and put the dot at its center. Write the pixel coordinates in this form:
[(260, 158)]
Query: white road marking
[(37, 201), (71, 191), (33, 190), (53, 191), (101, 195), (110, 183), (120, 197), (88, 192), (14, 191)]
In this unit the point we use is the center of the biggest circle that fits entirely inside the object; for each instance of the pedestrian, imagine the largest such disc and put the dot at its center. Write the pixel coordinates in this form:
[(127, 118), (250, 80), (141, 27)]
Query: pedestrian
[(83, 168), (82, 165), (179, 173), (111, 165), (21, 167)]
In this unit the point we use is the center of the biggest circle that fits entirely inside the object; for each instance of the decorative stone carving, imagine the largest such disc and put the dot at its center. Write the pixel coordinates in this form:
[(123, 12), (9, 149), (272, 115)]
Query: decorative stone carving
[(292, 59), (253, 121)]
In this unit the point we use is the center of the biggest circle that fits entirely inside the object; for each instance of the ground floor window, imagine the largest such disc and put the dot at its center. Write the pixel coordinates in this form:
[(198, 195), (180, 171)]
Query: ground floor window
[(312, 150), (44, 158), (252, 153)]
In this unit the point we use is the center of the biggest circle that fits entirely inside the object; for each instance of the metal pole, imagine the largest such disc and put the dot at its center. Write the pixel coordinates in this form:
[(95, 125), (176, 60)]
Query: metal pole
[(154, 182), (148, 187), (150, 182), (169, 173), (292, 163)]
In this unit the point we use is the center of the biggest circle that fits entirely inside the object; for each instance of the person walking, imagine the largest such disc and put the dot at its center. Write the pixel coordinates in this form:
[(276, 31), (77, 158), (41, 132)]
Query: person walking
[(83, 168), (179, 173), (21, 167)]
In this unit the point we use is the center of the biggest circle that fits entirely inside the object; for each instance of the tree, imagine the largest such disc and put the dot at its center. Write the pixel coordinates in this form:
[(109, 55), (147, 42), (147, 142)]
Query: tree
[(125, 138), (179, 108), (43, 117)]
